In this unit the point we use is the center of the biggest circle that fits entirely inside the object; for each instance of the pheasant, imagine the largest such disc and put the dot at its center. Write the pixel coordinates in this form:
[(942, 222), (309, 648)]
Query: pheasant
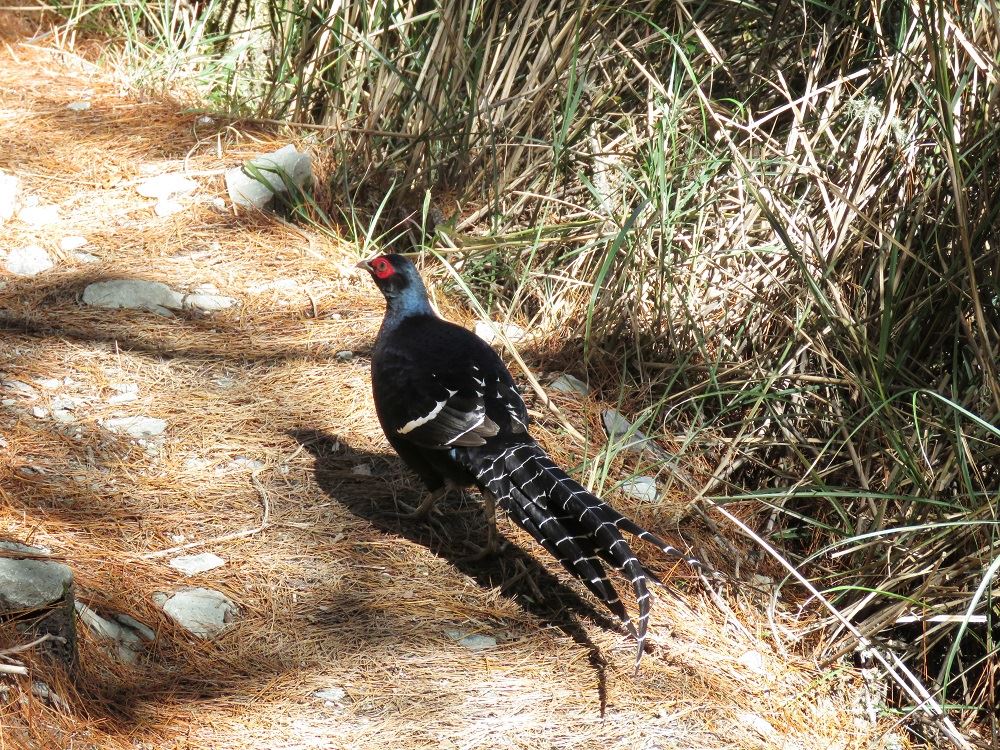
[(451, 410)]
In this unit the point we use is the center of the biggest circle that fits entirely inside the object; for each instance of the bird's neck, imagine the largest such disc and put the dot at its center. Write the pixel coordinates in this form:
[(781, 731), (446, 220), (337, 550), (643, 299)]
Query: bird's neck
[(406, 303)]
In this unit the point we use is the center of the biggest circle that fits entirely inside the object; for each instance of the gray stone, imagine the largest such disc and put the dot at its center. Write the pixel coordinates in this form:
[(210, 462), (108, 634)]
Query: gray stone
[(133, 294), (191, 565), (85, 257), (39, 412), (641, 488), (472, 642), (28, 261), (362, 470), (39, 216), (208, 302), (566, 383), (620, 428), (141, 428), (78, 106), (345, 355), (204, 612), (9, 187), (142, 629), (163, 186), (31, 584), (248, 191), (128, 644)]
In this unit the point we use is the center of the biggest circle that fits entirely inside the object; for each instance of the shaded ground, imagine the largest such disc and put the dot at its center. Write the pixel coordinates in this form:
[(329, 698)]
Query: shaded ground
[(331, 593)]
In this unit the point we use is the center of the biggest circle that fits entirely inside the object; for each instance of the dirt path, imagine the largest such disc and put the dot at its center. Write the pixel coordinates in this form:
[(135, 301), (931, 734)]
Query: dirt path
[(258, 408)]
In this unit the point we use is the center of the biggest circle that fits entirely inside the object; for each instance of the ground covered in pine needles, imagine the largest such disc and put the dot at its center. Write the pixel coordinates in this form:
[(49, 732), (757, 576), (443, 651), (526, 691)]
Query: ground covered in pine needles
[(272, 458)]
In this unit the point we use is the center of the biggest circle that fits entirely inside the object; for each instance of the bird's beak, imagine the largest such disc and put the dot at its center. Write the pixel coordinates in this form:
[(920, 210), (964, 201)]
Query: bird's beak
[(365, 265)]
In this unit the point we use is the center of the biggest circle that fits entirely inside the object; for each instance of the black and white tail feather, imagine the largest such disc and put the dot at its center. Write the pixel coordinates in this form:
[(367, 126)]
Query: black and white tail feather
[(450, 408), (575, 526)]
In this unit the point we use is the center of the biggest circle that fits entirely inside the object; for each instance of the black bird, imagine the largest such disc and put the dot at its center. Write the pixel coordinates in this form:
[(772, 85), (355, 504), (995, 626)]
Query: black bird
[(451, 410)]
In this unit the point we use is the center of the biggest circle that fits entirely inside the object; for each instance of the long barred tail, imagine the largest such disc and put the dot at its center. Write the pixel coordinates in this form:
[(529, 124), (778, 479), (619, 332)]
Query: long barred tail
[(575, 526)]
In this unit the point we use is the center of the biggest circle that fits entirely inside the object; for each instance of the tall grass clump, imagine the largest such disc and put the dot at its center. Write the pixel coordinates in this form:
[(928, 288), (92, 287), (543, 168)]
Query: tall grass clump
[(771, 228)]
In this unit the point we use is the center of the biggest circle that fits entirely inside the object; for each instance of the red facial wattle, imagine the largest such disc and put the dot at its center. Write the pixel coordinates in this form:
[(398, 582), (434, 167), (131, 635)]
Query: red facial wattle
[(382, 268)]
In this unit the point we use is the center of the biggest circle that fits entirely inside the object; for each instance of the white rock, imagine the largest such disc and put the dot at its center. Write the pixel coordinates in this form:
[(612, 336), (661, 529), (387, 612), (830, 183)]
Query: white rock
[(136, 427), (487, 330), (63, 415), (344, 356), (167, 207), (78, 106), (754, 661), (247, 191), (165, 185), (208, 302), (362, 470), (330, 694), (19, 387), (9, 186), (193, 564), (566, 383), (472, 642), (136, 295), (196, 463), (67, 401), (123, 398), (758, 723), (85, 257), (28, 261), (205, 120), (641, 488), (49, 384), (72, 242), (204, 612), (205, 289), (278, 285), (39, 216), (240, 463), (224, 382), (39, 412)]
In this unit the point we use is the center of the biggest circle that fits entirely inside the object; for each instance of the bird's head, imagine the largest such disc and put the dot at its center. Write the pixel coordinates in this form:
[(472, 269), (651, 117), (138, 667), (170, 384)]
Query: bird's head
[(398, 280)]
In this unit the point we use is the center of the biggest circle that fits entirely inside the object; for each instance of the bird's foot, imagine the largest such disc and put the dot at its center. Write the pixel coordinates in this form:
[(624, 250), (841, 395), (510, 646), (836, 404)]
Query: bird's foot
[(422, 511), (409, 513), (481, 552)]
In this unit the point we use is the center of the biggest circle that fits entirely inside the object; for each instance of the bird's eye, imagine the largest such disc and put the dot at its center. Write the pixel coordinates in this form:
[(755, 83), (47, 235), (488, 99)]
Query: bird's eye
[(383, 268)]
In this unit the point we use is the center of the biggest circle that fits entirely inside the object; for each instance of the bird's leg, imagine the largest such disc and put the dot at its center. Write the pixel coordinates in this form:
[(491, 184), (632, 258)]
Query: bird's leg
[(425, 507), (492, 547)]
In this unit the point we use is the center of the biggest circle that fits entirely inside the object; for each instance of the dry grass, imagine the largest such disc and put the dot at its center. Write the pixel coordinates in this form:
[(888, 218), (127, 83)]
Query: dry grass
[(330, 595)]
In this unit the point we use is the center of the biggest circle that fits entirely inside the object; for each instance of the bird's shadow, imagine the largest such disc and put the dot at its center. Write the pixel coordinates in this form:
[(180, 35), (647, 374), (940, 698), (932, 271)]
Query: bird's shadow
[(461, 520)]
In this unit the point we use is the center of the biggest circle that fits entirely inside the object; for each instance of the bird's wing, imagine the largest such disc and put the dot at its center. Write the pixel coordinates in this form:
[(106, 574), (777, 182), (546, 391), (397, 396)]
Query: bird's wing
[(444, 412), (440, 386)]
